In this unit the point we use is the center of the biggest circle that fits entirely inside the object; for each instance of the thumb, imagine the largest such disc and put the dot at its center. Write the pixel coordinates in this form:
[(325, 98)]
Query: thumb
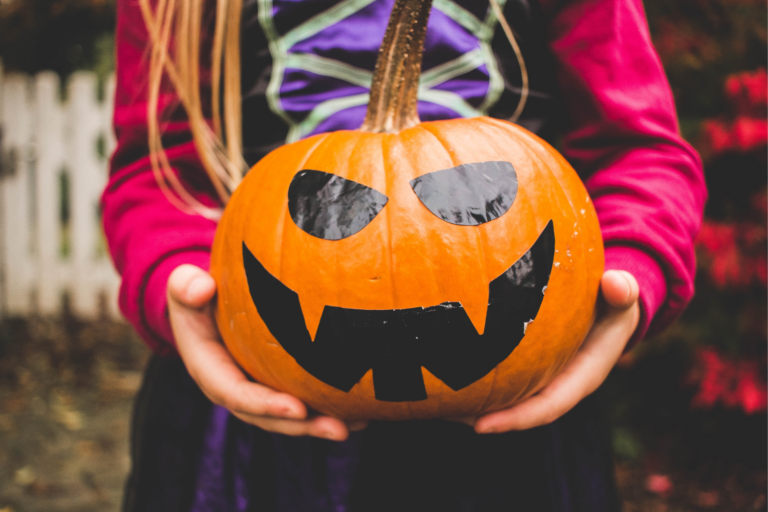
[(619, 288), (191, 286)]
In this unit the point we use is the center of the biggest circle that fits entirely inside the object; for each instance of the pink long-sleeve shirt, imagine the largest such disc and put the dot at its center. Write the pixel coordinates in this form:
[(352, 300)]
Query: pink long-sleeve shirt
[(622, 136)]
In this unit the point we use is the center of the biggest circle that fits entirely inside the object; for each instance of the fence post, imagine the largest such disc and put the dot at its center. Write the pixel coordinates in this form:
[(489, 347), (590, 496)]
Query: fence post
[(16, 199), (52, 273), (3, 228), (86, 181)]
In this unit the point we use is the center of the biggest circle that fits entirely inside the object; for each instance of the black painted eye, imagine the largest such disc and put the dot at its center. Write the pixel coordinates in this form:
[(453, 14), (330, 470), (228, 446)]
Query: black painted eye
[(330, 207), (469, 194)]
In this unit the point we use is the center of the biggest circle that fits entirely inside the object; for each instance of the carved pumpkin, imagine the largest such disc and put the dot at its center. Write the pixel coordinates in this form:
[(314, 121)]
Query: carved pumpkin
[(408, 270)]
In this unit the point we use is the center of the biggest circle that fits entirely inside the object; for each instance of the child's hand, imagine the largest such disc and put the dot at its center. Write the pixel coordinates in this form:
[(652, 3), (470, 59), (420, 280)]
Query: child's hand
[(190, 291), (616, 322)]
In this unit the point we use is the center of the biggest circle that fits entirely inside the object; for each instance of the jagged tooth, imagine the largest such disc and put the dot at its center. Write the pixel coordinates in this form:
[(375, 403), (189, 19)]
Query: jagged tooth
[(476, 306), (313, 311)]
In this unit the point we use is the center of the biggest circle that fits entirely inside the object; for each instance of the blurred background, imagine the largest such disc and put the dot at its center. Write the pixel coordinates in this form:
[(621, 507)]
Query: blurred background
[(688, 407)]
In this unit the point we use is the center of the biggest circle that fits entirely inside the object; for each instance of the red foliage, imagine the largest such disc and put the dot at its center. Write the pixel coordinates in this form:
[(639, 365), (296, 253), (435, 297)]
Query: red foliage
[(748, 130), (748, 92), (732, 384), (659, 484), (734, 254), (743, 134), (715, 136), (749, 133)]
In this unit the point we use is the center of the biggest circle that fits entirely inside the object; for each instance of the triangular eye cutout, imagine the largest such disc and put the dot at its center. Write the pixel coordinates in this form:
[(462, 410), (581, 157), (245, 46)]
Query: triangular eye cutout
[(469, 194), (330, 207)]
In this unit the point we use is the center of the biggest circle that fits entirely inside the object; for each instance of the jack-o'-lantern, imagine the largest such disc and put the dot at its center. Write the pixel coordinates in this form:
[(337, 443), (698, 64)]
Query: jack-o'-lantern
[(407, 269)]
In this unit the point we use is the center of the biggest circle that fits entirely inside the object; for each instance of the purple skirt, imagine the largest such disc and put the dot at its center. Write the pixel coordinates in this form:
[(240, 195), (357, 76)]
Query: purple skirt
[(191, 456)]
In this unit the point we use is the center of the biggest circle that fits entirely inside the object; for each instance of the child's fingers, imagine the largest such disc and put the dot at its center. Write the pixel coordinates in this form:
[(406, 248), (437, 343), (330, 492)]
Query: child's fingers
[(191, 286), (589, 368), (357, 425), (619, 288), (560, 396), (206, 359), (247, 397), (318, 426), (211, 366), (190, 290)]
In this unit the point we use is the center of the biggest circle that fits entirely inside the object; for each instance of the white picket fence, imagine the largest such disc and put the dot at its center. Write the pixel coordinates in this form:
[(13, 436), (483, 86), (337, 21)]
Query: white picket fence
[(53, 158)]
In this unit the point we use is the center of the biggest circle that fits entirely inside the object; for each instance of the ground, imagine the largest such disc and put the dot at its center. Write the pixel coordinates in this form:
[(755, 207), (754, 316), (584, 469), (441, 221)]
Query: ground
[(66, 391)]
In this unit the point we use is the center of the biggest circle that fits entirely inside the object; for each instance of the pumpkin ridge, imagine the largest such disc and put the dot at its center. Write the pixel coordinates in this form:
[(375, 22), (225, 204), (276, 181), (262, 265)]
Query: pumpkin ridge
[(491, 389), (558, 160), (535, 146), (434, 268), (339, 270), (482, 124), (482, 233), (432, 130), (529, 390), (387, 166), (286, 217), (429, 128), (479, 238), (525, 146)]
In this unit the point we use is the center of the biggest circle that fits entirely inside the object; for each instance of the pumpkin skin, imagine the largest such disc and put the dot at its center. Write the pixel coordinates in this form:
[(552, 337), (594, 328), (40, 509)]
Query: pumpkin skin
[(407, 257)]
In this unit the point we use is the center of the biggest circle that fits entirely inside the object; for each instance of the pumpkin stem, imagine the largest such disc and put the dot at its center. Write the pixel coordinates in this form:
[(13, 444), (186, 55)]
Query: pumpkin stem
[(395, 87)]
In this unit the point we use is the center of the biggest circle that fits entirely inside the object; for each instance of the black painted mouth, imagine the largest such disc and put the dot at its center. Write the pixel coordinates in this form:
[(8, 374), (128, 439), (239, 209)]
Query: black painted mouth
[(397, 343)]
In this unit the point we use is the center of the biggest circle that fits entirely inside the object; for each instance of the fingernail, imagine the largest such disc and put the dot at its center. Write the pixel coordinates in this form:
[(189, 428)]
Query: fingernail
[(195, 286), (290, 412)]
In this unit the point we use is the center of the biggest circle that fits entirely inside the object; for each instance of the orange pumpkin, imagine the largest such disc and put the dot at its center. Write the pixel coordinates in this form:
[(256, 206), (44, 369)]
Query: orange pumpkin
[(408, 270)]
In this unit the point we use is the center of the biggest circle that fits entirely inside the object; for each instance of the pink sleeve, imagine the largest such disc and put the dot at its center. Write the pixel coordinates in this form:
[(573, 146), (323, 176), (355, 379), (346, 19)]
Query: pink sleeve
[(148, 236), (646, 181)]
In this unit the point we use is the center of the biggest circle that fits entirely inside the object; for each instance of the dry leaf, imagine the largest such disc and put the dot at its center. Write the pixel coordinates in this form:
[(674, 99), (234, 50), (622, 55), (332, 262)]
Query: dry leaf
[(24, 476), (69, 417)]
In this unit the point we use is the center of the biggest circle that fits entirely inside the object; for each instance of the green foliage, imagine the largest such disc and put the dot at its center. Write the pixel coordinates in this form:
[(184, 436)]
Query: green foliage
[(625, 444), (701, 42), (59, 35)]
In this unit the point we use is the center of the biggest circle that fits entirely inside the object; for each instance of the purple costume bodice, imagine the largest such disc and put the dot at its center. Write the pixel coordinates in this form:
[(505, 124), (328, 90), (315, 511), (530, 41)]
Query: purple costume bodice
[(307, 66)]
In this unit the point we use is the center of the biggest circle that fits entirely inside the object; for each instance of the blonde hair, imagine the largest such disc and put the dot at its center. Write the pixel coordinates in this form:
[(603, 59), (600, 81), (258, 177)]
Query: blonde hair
[(219, 146)]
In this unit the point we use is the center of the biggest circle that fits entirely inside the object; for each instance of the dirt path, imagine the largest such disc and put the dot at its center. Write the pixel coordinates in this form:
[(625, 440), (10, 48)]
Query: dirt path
[(65, 401)]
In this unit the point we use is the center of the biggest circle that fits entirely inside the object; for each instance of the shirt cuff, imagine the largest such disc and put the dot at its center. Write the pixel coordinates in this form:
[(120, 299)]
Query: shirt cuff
[(154, 310), (650, 278)]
